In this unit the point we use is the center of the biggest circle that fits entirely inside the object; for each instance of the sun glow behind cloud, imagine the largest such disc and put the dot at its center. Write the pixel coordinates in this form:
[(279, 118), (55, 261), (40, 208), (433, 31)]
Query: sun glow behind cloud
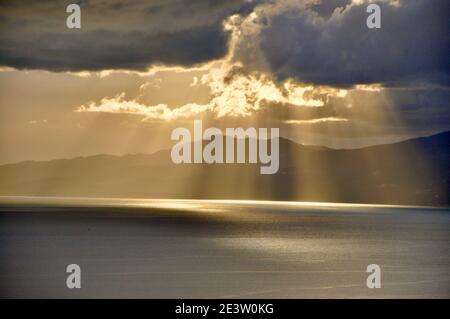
[(240, 84), (235, 90)]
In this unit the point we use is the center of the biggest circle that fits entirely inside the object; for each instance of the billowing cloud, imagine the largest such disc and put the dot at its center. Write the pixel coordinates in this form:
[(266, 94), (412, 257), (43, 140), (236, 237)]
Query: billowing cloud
[(114, 34), (313, 41), (233, 93), (244, 82), (411, 46), (120, 105)]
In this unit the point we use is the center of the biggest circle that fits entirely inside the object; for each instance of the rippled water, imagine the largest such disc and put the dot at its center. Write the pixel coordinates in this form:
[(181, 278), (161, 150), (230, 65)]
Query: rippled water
[(190, 248)]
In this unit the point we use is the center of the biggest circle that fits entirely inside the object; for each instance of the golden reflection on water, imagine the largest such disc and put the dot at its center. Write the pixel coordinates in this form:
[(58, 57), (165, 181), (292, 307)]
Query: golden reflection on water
[(187, 204)]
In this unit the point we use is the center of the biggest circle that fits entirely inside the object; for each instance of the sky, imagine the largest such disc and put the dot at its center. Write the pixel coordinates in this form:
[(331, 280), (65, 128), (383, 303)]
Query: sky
[(138, 69)]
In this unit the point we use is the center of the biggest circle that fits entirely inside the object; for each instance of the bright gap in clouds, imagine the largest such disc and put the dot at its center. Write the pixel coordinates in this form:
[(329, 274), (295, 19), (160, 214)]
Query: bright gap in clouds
[(235, 90), (240, 84)]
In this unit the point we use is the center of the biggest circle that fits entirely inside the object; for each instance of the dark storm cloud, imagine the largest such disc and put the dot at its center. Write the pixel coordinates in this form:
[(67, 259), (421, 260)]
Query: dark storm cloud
[(411, 46), (114, 34)]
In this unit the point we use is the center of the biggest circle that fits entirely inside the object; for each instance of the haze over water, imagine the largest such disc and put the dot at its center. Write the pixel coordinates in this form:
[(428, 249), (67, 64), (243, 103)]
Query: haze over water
[(219, 249)]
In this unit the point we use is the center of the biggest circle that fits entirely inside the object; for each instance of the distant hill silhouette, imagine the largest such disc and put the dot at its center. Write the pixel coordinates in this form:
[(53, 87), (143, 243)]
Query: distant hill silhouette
[(412, 172)]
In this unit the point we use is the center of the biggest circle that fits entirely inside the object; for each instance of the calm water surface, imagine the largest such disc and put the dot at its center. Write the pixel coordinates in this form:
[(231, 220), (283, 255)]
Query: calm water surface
[(212, 249)]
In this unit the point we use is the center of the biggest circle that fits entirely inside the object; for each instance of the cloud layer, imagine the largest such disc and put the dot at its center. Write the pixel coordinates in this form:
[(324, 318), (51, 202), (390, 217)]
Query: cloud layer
[(312, 41), (115, 34), (412, 45)]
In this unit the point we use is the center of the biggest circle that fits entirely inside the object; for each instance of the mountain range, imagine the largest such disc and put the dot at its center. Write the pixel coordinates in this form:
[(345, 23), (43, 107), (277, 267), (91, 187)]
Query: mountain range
[(412, 172)]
